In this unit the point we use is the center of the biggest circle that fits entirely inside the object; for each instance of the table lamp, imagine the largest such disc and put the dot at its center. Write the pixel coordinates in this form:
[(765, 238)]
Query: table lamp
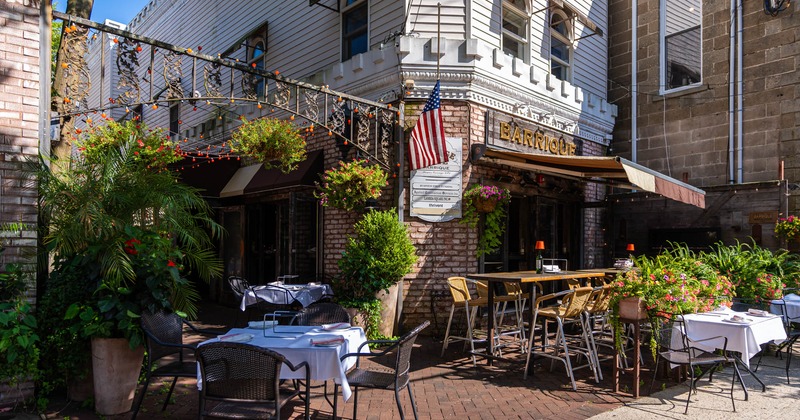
[(539, 260)]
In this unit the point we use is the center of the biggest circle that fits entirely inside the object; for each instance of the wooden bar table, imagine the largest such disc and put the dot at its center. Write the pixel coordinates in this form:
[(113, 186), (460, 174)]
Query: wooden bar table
[(523, 277)]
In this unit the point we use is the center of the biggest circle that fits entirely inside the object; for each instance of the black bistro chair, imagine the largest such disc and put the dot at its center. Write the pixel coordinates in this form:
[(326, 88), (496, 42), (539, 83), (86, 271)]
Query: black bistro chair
[(322, 313), (165, 348), (790, 323), (675, 348), (395, 377), (243, 382)]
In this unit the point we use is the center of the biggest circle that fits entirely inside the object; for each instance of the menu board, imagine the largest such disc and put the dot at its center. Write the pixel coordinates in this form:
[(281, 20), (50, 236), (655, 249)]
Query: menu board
[(436, 190)]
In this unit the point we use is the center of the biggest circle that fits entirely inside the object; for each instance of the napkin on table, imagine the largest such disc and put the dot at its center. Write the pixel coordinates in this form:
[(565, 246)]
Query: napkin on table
[(236, 338), (758, 312), (336, 326), (327, 341)]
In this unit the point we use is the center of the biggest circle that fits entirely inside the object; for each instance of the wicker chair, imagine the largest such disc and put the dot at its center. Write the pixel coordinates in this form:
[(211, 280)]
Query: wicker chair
[(164, 338), (321, 313), (244, 381), (463, 299), (396, 377)]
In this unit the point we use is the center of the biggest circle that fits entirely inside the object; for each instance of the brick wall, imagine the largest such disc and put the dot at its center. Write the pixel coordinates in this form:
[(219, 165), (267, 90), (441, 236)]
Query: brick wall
[(19, 140)]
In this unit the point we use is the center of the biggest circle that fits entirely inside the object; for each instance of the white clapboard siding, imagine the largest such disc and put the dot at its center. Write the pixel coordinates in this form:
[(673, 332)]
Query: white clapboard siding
[(486, 21), (591, 53), (424, 18), (385, 18)]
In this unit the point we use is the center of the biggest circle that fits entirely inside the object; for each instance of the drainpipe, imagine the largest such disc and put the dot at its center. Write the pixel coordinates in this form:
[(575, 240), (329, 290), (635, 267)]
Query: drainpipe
[(731, 98), (739, 93), (634, 81)]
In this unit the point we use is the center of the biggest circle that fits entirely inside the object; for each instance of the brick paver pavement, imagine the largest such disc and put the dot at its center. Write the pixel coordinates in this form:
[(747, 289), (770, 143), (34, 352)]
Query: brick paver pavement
[(444, 387)]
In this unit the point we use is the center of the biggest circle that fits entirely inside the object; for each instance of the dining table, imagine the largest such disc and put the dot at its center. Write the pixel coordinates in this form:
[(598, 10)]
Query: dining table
[(279, 293), (745, 333), (316, 345), (531, 279)]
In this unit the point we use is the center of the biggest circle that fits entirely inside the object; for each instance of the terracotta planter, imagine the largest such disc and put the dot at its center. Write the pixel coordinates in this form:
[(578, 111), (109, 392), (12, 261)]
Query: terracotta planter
[(115, 369), (388, 312), (632, 308)]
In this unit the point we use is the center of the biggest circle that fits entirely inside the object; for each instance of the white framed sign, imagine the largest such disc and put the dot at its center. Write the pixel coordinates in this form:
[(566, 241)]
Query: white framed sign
[(436, 190)]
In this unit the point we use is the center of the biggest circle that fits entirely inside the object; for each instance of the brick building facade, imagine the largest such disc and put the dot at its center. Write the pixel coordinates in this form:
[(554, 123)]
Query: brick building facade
[(20, 132), (731, 131)]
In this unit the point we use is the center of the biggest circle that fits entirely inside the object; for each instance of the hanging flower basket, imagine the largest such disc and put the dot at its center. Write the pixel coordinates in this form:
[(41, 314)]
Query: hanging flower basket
[(485, 205), (490, 201), (274, 143), (788, 228), (349, 185)]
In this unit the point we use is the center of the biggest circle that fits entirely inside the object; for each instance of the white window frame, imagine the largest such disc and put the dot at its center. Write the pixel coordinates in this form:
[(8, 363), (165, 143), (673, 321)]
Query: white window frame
[(662, 38), (568, 40), (348, 6), (510, 7)]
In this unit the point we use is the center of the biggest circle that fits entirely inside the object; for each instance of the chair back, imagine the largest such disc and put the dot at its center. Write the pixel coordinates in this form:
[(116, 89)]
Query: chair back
[(239, 285), (459, 289), (671, 335), (165, 328), (600, 299), (573, 303), (241, 372), (404, 346), (321, 313)]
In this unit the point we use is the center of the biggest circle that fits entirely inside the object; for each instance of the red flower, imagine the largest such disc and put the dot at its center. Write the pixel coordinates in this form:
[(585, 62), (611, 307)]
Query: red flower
[(170, 263), (130, 246)]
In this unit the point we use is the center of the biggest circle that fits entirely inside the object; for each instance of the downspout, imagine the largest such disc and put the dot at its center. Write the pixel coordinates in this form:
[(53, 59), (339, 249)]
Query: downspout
[(634, 81), (739, 94), (731, 97)]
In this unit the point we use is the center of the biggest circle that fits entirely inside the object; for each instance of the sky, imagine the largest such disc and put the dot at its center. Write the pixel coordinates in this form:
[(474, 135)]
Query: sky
[(120, 11)]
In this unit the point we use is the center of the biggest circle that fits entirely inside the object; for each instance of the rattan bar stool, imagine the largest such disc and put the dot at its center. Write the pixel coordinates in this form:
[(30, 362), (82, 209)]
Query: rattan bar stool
[(463, 299)]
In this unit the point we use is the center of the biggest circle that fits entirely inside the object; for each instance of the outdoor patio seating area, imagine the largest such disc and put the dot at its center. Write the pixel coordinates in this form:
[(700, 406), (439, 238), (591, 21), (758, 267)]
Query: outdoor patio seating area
[(450, 386)]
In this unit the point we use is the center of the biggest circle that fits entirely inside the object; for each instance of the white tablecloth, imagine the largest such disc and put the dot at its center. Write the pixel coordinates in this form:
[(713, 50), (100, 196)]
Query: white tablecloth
[(742, 338), (285, 294), (294, 343), (790, 303)]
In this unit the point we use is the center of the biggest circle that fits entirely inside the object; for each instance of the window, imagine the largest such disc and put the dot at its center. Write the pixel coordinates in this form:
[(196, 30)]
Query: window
[(560, 45), (515, 29), (355, 39), (681, 44), (256, 57), (175, 120)]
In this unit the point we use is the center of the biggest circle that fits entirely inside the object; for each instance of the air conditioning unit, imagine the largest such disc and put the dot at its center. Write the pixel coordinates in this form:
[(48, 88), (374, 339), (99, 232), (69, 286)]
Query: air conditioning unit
[(115, 24)]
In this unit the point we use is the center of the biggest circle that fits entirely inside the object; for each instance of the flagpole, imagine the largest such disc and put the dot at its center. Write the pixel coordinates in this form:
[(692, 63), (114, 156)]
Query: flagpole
[(438, 37)]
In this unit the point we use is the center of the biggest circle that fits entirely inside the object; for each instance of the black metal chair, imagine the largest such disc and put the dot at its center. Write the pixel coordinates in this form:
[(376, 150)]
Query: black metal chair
[(321, 313), (396, 377), (164, 340), (244, 381), (675, 348), (792, 326)]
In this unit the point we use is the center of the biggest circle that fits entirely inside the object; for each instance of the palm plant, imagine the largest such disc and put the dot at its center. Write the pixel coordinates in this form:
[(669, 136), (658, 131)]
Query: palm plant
[(96, 207)]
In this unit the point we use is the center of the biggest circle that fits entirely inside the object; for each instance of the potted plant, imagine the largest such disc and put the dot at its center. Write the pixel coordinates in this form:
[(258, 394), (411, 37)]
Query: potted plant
[(676, 281), (373, 262), (490, 201), (349, 185), (117, 217), (273, 142)]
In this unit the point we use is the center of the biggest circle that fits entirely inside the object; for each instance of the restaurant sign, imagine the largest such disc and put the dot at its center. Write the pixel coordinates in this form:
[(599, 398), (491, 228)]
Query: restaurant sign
[(436, 190), (519, 135)]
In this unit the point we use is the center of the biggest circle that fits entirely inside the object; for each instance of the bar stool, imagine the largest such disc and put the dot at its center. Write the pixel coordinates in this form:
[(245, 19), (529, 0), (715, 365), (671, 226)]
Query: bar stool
[(516, 331), (463, 299), (571, 309)]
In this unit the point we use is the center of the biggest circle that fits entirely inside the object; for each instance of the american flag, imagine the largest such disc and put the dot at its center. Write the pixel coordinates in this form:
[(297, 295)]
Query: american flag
[(427, 145)]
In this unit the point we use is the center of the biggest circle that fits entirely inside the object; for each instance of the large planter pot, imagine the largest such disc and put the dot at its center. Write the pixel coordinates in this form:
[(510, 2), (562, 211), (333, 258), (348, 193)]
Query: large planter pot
[(388, 310), (632, 308), (115, 369)]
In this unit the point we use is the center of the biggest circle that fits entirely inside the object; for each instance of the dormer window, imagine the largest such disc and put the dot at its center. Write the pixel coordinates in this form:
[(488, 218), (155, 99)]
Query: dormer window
[(516, 29), (561, 42)]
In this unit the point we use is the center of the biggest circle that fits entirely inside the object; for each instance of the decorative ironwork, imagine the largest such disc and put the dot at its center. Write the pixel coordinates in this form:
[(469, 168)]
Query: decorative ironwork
[(127, 65), (283, 94), (173, 73), (212, 79), (366, 125), (312, 104)]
